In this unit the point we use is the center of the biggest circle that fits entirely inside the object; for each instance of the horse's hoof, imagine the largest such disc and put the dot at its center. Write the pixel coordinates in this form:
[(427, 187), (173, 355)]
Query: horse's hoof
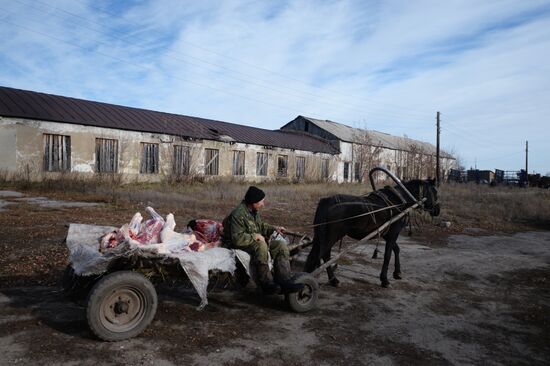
[(385, 284), (334, 282), (397, 275)]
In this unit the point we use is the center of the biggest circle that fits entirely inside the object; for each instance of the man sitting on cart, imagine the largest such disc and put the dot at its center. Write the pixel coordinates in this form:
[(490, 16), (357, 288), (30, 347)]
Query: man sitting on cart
[(244, 229)]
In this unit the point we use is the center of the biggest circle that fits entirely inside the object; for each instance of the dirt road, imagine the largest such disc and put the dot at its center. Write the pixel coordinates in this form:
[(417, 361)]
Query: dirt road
[(473, 299)]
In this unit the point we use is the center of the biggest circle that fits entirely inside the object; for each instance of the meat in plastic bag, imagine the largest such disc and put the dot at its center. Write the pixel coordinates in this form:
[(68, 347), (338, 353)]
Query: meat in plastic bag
[(150, 231)]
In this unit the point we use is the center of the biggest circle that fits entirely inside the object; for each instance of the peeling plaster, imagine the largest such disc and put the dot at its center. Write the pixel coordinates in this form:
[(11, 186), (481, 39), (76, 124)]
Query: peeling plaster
[(29, 151)]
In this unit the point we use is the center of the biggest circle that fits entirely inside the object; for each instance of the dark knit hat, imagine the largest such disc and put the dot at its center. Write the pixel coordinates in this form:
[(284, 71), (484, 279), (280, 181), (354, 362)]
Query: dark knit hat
[(253, 195)]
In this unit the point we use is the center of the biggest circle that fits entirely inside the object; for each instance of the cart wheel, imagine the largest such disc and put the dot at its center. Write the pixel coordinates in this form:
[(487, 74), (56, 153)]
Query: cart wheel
[(121, 305), (305, 299)]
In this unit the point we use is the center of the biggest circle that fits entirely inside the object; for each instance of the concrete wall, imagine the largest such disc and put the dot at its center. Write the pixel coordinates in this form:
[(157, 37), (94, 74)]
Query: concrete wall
[(8, 142), (404, 166), (21, 145), (398, 161)]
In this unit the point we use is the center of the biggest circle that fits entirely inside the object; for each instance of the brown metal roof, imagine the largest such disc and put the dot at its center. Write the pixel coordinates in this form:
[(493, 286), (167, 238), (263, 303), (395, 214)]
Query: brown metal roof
[(47, 107)]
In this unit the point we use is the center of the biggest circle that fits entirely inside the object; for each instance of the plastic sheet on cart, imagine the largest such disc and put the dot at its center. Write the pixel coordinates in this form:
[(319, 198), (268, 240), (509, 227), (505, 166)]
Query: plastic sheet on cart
[(83, 244)]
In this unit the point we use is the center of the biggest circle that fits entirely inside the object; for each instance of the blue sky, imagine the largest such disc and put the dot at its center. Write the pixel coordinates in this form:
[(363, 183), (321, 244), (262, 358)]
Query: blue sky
[(383, 65)]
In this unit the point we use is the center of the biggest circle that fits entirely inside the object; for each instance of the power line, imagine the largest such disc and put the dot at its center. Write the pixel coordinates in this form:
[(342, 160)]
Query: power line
[(474, 138), (407, 114), (144, 66), (464, 137), (285, 93)]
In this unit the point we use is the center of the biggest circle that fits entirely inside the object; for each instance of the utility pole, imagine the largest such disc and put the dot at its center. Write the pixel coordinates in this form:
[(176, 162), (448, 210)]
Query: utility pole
[(527, 163), (437, 177)]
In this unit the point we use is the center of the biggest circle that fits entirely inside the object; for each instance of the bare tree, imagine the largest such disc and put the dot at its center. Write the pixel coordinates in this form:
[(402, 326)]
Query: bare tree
[(410, 166), (366, 154)]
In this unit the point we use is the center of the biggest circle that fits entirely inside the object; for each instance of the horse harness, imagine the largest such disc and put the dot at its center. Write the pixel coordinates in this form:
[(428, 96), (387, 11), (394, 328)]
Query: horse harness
[(386, 199)]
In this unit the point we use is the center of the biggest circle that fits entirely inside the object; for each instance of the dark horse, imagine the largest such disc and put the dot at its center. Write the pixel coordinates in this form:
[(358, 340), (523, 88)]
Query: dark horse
[(342, 215)]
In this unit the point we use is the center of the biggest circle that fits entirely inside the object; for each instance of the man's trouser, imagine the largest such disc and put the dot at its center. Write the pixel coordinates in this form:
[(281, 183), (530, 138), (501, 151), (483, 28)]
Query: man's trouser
[(259, 257), (260, 249)]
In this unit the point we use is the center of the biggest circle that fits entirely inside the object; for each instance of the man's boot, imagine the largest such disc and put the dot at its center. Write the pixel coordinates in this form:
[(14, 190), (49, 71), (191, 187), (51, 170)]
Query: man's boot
[(283, 276), (266, 279)]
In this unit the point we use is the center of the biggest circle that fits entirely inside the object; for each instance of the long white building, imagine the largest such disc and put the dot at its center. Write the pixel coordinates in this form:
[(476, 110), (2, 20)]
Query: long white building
[(43, 134)]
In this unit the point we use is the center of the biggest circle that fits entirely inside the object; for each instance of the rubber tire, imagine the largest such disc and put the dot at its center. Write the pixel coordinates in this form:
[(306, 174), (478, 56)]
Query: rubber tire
[(307, 298), (126, 285)]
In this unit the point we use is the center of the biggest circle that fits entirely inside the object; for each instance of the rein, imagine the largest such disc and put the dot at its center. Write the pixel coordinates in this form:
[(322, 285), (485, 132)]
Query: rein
[(419, 203), (353, 217)]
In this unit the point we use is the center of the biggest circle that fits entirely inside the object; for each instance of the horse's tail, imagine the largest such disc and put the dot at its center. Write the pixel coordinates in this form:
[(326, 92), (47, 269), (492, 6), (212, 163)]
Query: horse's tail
[(319, 234)]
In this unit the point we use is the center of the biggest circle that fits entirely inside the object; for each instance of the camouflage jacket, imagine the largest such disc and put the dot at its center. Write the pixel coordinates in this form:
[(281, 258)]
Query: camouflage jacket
[(241, 225)]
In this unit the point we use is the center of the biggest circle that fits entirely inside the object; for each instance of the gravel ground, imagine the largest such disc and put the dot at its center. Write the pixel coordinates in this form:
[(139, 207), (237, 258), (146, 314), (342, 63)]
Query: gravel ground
[(475, 298)]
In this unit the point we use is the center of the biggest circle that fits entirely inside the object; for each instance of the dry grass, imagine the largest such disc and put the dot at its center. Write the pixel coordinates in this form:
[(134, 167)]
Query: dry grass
[(496, 208), (293, 205)]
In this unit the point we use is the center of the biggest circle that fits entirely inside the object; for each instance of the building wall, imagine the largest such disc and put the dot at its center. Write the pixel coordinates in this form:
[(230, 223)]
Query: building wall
[(406, 166), (22, 147), (8, 142)]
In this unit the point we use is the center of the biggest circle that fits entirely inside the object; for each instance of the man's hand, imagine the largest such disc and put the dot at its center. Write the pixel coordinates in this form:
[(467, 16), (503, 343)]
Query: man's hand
[(280, 229), (259, 237)]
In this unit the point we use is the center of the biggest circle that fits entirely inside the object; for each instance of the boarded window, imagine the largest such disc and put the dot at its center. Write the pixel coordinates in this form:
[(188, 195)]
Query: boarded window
[(358, 172), (282, 165), (324, 168), (149, 158), (300, 167), (106, 155), (261, 164), (181, 160), (346, 171), (238, 163), (57, 153), (211, 161)]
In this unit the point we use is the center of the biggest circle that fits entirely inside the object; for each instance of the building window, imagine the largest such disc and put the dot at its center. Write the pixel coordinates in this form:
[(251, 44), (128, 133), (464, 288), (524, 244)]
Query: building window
[(300, 167), (404, 173), (358, 172), (346, 171), (238, 163), (282, 165), (57, 153), (181, 160), (211, 161), (149, 158), (106, 155), (261, 164), (324, 168)]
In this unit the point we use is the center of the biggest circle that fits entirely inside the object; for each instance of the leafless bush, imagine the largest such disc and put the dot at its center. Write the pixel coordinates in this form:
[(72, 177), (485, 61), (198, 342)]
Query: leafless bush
[(5, 177)]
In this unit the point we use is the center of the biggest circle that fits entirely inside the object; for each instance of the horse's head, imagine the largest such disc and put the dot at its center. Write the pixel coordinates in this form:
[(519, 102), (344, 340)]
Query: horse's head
[(425, 189), (429, 192)]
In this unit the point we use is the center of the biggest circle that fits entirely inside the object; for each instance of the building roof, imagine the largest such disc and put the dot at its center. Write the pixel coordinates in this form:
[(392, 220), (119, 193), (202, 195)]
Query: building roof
[(48, 107), (357, 135)]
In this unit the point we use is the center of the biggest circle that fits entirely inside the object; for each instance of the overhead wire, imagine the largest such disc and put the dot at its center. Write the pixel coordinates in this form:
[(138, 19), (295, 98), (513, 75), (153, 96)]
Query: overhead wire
[(285, 92), (393, 112), (147, 67), (370, 114), (469, 138), (455, 130), (479, 143), (248, 81)]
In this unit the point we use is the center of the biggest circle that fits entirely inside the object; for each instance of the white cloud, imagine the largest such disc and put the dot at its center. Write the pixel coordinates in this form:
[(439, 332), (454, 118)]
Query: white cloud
[(388, 64)]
